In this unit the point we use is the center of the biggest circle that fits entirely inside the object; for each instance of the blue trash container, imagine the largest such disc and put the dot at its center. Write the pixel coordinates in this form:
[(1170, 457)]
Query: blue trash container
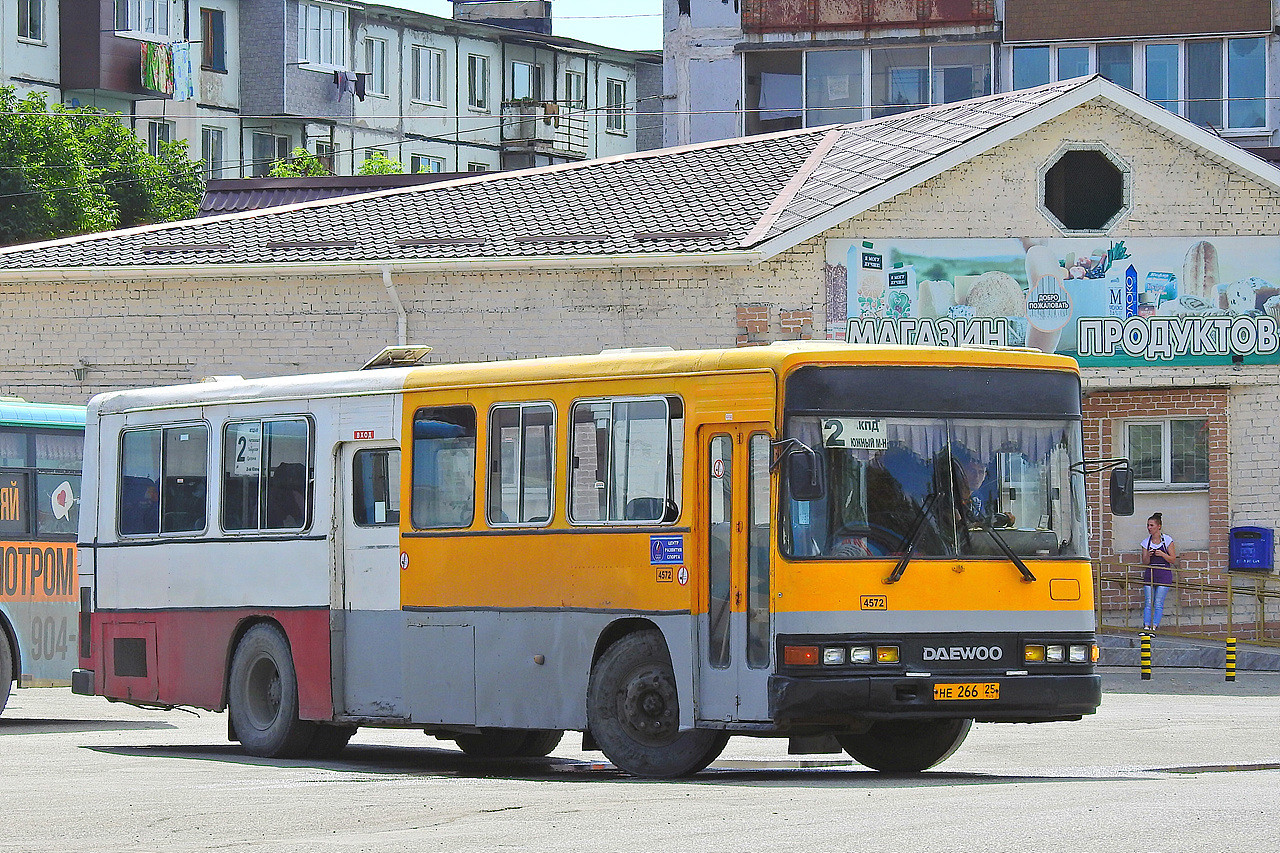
[(1251, 549)]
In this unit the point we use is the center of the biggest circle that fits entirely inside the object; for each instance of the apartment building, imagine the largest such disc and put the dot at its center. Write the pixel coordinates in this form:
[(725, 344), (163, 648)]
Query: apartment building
[(754, 66), (244, 82)]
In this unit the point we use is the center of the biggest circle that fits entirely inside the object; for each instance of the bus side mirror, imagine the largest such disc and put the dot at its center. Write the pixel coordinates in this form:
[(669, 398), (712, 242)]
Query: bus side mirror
[(804, 475), (1122, 491)]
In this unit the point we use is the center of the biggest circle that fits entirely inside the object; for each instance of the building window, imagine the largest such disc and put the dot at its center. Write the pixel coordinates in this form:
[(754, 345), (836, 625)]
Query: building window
[(1073, 62), (1169, 453), (211, 150), (266, 475), (163, 480), (477, 167), (213, 48), (326, 154), (428, 74), (158, 133), (267, 148), (375, 60), (1246, 83), (615, 106), (1162, 77), (1115, 62), (1084, 190), (1030, 67), (775, 90), (148, 17), (423, 163), (31, 20), (526, 81), (833, 85), (899, 80), (478, 82), (322, 35), (575, 89)]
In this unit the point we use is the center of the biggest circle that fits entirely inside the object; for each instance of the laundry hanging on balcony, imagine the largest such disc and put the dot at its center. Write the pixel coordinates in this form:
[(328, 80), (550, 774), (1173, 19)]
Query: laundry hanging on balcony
[(157, 67), (349, 81), (183, 75)]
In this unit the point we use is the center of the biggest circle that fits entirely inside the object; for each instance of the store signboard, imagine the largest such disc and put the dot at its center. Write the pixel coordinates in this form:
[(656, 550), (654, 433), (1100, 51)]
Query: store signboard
[(1142, 300)]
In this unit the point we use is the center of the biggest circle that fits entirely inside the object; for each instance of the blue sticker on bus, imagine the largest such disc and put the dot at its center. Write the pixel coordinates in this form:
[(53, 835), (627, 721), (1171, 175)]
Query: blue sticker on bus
[(666, 550)]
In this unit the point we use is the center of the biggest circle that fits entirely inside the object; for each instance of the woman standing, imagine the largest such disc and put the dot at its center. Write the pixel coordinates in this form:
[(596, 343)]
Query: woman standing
[(1158, 555)]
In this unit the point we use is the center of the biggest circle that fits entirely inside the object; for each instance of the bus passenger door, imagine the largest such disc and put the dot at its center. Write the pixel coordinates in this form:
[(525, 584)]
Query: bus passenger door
[(367, 652), (734, 629)]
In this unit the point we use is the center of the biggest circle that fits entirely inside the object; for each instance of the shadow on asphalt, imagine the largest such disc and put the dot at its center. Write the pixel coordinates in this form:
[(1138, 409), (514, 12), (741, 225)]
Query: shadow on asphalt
[(427, 761), (19, 726)]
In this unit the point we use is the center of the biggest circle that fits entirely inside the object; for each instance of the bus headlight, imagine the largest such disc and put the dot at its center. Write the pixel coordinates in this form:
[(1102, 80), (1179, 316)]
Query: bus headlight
[(1055, 654), (860, 654), (833, 656), (1079, 654)]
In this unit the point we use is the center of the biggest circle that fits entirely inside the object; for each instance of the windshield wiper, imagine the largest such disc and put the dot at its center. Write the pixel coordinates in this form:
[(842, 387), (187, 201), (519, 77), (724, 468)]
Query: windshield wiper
[(985, 524), (913, 539)]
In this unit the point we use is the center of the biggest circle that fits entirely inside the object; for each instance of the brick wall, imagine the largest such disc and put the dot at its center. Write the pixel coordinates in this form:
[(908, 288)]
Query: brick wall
[(1050, 20)]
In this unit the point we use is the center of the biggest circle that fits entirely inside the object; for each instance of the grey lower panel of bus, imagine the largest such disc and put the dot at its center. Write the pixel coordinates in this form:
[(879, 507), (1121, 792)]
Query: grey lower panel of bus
[(478, 668), (928, 621)]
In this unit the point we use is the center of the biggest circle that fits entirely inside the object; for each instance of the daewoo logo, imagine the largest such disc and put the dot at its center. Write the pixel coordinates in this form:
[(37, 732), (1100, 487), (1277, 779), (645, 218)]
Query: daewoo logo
[(963, 653)]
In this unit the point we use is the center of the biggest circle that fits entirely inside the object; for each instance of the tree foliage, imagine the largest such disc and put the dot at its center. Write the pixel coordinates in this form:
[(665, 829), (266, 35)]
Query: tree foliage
[(378, 163), (70, 170), (300, 164)]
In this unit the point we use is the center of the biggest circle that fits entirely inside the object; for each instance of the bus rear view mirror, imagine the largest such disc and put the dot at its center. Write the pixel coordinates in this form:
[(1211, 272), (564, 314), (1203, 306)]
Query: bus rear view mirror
[(804, 474), (1122, 491)]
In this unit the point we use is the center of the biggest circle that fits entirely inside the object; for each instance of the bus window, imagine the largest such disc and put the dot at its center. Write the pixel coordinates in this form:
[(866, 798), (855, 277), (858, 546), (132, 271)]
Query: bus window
[(266, 474), (627, 458), (444, 467), (375, 480), (13, 504), (720, 548), (521, 438), (59, 458), (163, 480), (758, 640)]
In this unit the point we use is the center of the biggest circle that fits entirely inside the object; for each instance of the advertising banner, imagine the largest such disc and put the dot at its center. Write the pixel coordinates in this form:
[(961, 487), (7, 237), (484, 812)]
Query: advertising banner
[(1158, 299)]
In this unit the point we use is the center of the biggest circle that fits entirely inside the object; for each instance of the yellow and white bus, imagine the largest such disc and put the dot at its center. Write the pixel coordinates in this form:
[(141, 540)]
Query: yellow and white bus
[(865, 547)]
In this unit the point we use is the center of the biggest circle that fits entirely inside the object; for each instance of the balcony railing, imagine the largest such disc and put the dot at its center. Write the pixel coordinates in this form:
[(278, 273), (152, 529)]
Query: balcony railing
[(559, 127), (760, 16)]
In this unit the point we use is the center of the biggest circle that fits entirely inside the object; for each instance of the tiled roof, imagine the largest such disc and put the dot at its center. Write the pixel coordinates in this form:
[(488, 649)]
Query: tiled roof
[(229, 195), (722, 197)]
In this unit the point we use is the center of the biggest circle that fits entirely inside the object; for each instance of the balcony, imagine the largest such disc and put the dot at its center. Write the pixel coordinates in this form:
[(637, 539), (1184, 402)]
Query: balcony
[(94, 57), (546, 127), (772, 16)]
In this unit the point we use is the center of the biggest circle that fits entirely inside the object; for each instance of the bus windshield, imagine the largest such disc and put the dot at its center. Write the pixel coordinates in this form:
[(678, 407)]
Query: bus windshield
[(956, 486)]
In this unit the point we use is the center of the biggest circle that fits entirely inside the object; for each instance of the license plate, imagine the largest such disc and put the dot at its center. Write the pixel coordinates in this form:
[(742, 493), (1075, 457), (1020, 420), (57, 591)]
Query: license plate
[(980, 690)]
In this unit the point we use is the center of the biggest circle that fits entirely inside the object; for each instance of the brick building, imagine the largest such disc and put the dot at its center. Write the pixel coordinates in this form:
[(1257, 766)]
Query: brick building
[(1075, 216)]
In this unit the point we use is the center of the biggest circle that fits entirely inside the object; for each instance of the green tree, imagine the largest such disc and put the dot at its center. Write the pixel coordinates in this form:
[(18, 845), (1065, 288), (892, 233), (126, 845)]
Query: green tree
[(300, 164), (70, 170), (378, 163)]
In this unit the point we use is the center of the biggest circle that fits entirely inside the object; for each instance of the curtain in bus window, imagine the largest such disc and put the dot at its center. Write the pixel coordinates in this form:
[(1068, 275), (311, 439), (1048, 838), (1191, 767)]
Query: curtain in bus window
[(13, 450), (287, 483), (59, 451), (444, 467), (139, 494)]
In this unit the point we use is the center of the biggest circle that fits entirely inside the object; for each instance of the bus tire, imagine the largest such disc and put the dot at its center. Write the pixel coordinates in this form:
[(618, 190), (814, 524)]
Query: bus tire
[(6, 668), (329, 741), (633, 712), (264, 696), (905, 746), (509, 743)]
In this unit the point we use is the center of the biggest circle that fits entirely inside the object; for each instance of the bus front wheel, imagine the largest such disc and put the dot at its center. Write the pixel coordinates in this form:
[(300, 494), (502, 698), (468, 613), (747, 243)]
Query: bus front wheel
[(634, 713), (905, 746), (264, 696)]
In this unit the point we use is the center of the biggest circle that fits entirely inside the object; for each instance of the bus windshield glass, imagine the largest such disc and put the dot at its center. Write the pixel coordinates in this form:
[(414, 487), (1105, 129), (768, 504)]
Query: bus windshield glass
[(939, 487)]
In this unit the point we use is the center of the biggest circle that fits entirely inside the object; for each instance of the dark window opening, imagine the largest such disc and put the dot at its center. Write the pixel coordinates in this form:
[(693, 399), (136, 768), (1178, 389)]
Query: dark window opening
[(1084, 190)]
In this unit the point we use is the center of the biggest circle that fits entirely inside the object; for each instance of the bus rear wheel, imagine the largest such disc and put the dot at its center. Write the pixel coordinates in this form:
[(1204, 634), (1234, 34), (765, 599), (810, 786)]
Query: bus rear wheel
[(509, 743), (263, 696), (634, 713), (905, 746), (6, 668)]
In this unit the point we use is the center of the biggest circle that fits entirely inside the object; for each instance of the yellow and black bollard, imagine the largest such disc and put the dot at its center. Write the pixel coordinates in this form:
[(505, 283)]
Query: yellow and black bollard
[(1146, 657), (1231, 658)]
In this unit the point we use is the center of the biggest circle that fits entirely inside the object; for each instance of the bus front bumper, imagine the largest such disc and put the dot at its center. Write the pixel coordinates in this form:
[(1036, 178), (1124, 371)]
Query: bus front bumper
[(853, 700)]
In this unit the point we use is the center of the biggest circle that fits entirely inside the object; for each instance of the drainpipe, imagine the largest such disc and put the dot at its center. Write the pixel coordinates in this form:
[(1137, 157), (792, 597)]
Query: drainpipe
[(402, 319)]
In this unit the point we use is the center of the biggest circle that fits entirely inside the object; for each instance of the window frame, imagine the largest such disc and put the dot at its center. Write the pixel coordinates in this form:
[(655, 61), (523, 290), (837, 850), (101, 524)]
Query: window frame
[(161, 472), (34, 24), (575, 89), (427, 78), (375, 60), (615, 110), (330, 35), (413, 464), (213, 35), (418, 160), (130, 17), (154, 135), (391, 508), (283, 146), (211, 138), (675, 472), (1166, 483), (534, 75), (493, 475), (31, 471), (264, 475), (478, 82)]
